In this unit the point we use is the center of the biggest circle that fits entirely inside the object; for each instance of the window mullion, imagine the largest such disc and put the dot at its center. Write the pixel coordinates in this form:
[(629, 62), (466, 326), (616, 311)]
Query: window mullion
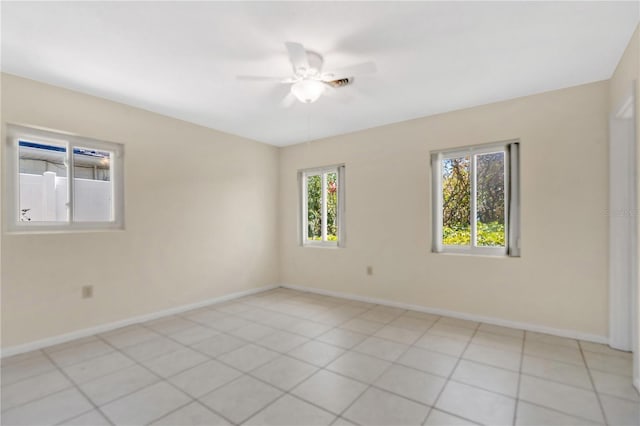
[(70, 183), (324, 206), (473, 201)]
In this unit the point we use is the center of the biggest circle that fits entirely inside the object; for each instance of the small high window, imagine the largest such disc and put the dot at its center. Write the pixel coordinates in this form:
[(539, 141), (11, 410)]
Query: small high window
[(322, 209), (476, 200), (61, 182)]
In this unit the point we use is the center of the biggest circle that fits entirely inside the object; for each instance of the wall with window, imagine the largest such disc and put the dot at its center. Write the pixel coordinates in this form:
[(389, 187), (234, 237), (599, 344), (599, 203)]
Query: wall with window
[(560, 280), (200, 220)]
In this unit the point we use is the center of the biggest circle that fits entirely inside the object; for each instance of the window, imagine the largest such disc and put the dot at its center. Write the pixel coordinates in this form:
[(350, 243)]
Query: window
[(61, 182), (476, 200), (322, 209)]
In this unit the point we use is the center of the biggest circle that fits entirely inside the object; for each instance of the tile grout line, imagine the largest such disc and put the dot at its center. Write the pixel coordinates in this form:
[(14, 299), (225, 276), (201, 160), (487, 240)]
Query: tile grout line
[(593, 383), (64, 373), (453, 370), (515, 409)]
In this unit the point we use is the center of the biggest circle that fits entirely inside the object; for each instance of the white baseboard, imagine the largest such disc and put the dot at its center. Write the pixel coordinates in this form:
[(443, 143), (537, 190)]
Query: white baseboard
[(572, 334), (62, 338)]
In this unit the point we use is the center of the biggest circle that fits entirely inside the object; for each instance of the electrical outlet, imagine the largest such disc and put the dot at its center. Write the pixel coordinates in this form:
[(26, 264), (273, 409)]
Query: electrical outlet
[(87, 291), (369, 270)]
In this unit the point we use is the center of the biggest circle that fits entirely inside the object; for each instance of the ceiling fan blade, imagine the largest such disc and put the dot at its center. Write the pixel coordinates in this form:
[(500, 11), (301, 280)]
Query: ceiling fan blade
[(297, 56), (262, 78), (353, 70), (288, 100)]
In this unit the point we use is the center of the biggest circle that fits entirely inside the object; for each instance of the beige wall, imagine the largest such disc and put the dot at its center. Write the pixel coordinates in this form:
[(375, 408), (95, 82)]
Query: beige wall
[(200, 220), (561, 279), (626, 76)]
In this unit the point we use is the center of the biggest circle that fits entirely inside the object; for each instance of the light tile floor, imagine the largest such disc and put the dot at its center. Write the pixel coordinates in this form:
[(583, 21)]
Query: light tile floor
[(286, 357)]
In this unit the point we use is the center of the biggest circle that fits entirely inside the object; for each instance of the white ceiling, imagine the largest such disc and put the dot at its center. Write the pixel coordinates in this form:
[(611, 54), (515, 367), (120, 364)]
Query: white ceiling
[(181, 59)]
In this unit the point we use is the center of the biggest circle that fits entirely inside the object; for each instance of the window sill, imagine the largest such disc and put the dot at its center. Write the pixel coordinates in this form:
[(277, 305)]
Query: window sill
[(484, 255), (321, 246)]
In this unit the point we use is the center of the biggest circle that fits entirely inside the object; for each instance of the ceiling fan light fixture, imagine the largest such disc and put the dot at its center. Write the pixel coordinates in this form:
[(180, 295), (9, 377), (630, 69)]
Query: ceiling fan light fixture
[(307, 91)]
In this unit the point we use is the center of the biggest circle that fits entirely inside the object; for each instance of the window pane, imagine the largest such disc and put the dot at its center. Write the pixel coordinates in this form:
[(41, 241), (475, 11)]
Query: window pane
[(456, 206), (43, 182), (93, 186), (314, 207), (490, 200), (332, 207)]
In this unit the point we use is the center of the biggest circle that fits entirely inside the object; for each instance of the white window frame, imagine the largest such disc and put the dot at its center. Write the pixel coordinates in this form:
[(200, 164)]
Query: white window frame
[(339, 170), (15, 133), (511, 195)]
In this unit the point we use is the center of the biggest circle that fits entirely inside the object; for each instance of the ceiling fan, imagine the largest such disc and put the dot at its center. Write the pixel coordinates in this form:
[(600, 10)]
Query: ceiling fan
[(309, 81)]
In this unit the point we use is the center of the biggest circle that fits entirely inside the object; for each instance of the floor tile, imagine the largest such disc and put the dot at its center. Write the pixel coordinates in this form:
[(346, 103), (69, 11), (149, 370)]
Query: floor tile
[(379, 316), (491, 356), (128, 336), (231, 307), (603, 349), (152, 348), (498, 341), (33, 388), (50, 410), (557, 371), (316, 353), (472, 325), (97, 367), (381, 348), (421, 315), (26, 368), (342, 422), (429, 362), (248, 357), (194, 414), (175, 362), (399, 335), (253, 332), (70, 344), (241, 398), (487, 377), (412, 384), (219, 344), (477, 404), (169, 325), (329, 391), (91, 418), (609, 364), (418, 325), (79, 353), (552, 340), (440, 418), (145, 405), (204, 316), (534, 415), (555, 352), (204, 378), (343, 338), (115, 385), (229, 323), (620, 412), (17, 359), (291, 411), (192, 335), (308, 329), (453, 331), (567, 399), (359, 366), (442, 344), (379, 408), (615, 385), (282, 341), (363, 326), (284, 372), (505, 331)]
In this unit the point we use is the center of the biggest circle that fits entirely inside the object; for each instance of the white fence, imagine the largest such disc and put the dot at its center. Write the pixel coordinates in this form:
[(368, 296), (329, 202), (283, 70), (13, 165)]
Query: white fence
[(46, 198)]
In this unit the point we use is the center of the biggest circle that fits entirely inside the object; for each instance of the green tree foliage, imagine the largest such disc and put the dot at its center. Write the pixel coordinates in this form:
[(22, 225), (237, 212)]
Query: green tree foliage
[(456, 200), (314, 207)]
